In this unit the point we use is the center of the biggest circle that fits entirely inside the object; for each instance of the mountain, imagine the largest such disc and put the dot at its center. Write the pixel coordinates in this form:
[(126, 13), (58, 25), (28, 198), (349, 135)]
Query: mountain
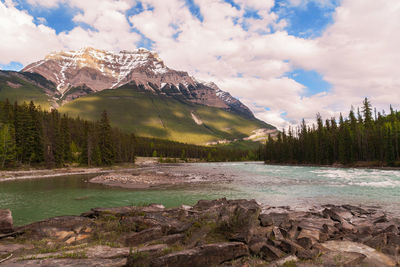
[(140, 93), (97, 70)]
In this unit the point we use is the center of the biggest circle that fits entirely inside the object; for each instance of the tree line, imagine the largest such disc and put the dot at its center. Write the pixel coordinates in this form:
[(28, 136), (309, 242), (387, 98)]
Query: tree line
[(35, 137), (364, 136)]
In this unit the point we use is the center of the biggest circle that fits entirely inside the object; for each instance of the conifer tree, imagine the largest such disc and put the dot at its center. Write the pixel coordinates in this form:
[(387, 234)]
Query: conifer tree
[(105, 140), (7, 145)]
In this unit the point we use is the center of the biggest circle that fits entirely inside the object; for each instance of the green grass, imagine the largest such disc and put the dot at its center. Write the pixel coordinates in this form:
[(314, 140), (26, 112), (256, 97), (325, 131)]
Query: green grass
[(151, 115), (26, 91)]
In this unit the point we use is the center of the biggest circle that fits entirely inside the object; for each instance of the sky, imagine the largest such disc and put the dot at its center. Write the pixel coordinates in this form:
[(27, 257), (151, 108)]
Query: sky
[(285, 59)]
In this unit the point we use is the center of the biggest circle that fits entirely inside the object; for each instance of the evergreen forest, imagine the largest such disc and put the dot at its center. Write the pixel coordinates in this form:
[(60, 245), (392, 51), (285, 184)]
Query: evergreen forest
[(364, 138), (30, 136)]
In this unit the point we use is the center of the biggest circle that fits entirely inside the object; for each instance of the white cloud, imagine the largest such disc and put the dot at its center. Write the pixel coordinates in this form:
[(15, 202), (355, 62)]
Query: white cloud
[(358, 54), (22, 40)]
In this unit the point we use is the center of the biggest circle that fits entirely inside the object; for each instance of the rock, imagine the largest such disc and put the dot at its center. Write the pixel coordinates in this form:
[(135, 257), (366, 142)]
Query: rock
[(305, 254), (139, 223), (283, 261), (256, 244), (290, 247), (238, 219), (335, 258), (61, 235), (167, 224), (10, 248), (271, 253), (392, 229), (273, 218), (330, 230), (6, 222), (118, 211), (186, 207), (345, 226), (53, 262), (170, 239), (373, 257), (153, 208), (277, 234), (315, 223), (106, 252), (337, 214), (393, 239), (314, 235), (381, 219), (391, 250), (356, 210), (378, 241), (49, 227), (306, 242), (144, 236), (207, 255), (208, 204)]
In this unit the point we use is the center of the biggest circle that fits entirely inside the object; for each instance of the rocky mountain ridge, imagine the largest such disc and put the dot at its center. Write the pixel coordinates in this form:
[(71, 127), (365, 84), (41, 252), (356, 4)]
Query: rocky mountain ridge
[(82, 72)]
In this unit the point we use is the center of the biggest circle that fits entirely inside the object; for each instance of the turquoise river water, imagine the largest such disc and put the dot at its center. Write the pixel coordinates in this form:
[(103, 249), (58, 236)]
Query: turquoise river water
[(299, 187)]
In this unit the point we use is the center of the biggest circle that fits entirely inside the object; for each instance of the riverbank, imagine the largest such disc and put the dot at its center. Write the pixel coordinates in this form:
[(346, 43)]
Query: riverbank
[(159, 175), (211, 233), (32, 173)]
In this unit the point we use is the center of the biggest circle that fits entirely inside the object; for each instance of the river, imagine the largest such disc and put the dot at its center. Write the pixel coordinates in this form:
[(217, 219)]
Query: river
[(298, 187)]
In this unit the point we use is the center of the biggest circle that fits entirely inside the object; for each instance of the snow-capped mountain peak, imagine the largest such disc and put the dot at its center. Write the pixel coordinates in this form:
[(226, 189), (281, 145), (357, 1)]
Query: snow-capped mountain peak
[(97, 70)]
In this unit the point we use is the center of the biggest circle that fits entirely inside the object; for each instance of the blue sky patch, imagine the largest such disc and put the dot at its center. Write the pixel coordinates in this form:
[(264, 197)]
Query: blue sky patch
[(312, 80), (60, 18), (144, 42), (306, 21), (251, 13), (16, 66), (194, 9), (233, 4)]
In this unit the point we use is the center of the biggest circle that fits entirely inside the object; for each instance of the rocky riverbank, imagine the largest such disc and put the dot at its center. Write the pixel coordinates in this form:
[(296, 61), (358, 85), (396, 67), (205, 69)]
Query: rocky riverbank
[(211, 233), (157, 176)]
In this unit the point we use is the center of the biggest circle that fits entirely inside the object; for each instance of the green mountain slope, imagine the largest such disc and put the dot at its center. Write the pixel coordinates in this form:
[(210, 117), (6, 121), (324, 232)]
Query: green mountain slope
[(152, 115), (24, 87)]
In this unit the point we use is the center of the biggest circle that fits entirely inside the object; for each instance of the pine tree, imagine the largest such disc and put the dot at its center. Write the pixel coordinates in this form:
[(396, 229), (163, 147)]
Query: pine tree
[(7, 145), (105, 140)]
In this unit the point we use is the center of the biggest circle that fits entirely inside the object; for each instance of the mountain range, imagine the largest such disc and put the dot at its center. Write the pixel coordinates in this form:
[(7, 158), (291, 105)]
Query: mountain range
[(140, 93)]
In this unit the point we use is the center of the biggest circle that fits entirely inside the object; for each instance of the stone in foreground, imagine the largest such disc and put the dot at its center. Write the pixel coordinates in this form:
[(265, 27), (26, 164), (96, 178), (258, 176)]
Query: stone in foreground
[(6, 222), (207, 255)]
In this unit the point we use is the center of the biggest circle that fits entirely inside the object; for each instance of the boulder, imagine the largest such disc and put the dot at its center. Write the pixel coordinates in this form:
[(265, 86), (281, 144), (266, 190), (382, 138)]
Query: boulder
[(273, 218), (271, 253), (337, 214), (167, 224), (335, 258), (393, 239), (378, 241), (71, 262), (290, 247), (208, 204), (314, 235), (356, 210), (256, 244), (134, 239), (207, 255), (6, 222), (238, 219)]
